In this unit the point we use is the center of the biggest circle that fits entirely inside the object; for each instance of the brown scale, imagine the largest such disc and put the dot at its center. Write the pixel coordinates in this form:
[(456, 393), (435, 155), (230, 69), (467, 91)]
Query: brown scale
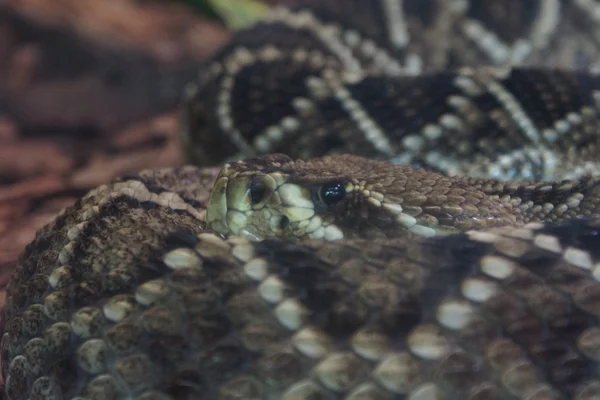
[(436, 35), (45, 320), (137, 303), (193, 322), (435, 200), (328, 129)]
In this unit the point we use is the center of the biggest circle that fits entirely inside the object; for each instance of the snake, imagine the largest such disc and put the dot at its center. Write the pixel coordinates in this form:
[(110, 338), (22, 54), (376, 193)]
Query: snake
[(386, 199)]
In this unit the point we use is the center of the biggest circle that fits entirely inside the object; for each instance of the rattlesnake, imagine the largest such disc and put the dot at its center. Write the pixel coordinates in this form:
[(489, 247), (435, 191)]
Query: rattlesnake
[(127, 294)]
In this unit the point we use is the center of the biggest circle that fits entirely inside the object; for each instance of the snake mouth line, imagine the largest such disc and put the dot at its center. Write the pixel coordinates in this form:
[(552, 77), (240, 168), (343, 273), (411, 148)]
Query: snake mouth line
[(265, 198), (259, 206)]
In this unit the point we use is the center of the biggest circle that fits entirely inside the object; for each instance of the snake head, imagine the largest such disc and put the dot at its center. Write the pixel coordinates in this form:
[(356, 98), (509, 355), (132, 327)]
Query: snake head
[(274, 196), (344, 196)]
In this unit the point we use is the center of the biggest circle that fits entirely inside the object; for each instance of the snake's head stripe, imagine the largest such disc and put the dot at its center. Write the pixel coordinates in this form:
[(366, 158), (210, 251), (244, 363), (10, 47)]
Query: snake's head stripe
[(346, 196), (269, 196)]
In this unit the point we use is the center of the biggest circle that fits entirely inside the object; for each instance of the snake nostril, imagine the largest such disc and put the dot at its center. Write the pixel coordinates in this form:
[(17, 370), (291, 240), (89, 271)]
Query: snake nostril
[(284, 222)]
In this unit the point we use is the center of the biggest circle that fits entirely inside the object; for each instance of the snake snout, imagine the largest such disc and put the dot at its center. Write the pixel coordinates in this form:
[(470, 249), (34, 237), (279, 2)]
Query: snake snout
[(237, 201), (216, 210), (259, 205)]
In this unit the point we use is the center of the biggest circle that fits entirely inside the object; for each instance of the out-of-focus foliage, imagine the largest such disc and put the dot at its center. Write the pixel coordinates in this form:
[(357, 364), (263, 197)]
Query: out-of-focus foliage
[(236, 14)]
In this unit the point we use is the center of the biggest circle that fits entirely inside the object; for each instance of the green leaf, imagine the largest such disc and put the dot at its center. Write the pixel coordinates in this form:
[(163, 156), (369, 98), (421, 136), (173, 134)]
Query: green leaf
[(235, 14), (239, 14), (204, 8)]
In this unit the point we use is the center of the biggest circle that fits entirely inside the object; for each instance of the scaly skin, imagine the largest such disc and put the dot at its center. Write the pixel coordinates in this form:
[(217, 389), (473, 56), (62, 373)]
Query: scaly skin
[(299, 83), (127, 295), (346, 196)]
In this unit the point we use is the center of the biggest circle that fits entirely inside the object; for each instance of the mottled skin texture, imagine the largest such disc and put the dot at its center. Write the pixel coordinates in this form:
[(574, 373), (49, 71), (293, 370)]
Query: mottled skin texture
[(137, 302), (101, 248), (308, 85), (127, 295), (381, 200)]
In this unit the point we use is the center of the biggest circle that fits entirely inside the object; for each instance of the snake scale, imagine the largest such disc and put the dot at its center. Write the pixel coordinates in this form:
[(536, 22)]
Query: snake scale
[(454, 255)]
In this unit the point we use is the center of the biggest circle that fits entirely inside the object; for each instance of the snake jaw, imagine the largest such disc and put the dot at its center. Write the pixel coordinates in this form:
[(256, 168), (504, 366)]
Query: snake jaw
[(257, 205), (231, 204), (217, 207), (340, 197)]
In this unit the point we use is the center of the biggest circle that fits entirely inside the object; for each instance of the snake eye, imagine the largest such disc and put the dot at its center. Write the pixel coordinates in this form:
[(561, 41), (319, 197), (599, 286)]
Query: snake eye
[(257, 189), (332, 193)]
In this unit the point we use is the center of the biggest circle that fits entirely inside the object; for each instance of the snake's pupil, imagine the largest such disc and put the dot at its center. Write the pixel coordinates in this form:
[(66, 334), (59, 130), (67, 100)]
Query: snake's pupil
[(332, 193), (257, 190)]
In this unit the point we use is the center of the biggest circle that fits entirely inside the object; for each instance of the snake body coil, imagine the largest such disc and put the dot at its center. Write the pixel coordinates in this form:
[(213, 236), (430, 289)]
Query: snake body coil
[(453, 256)]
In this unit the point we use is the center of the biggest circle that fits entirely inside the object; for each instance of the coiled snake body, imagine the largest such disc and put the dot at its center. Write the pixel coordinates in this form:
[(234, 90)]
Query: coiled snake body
[(474, 276)]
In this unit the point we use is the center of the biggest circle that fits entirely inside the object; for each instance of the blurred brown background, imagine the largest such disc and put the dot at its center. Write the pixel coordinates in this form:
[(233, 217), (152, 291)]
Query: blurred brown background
[(89, 90)]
